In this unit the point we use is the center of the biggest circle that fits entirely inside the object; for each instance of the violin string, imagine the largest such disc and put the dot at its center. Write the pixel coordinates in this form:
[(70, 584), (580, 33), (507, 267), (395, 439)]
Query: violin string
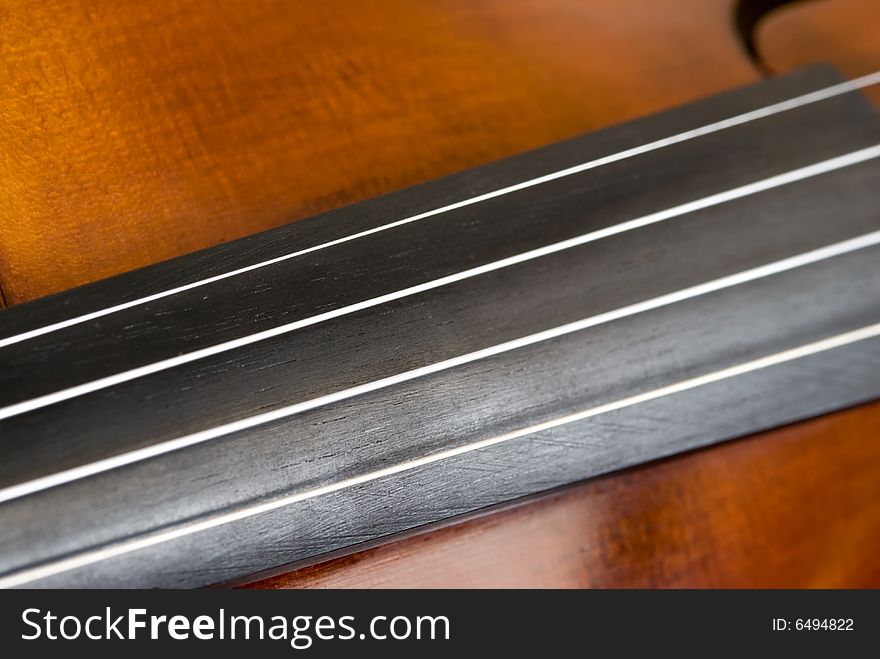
[(116, 549), (786, 178), (746, 117), (162, 448), (147, 540)]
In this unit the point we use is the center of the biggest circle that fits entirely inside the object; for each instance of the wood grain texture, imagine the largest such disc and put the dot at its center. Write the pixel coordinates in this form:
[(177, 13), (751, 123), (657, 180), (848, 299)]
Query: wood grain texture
[(793, 508), (131, 133), (334, 416), (796, 508)]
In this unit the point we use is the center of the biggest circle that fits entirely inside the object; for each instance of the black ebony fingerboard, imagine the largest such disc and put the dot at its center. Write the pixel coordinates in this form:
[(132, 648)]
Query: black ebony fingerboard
[(421, 359)]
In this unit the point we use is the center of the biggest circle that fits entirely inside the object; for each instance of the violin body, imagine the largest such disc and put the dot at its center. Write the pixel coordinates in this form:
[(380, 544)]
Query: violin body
[(133, 134)]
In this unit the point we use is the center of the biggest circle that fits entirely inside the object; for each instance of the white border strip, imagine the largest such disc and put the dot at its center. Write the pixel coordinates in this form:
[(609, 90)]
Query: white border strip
[(800, 174), (760, 113), (155, 450), (149, 540)]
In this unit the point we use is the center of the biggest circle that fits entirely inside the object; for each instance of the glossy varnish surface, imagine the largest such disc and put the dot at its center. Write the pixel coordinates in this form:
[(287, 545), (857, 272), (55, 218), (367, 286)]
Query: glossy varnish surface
[(770, 541), (131, 134), (138, 133), (349, 396)]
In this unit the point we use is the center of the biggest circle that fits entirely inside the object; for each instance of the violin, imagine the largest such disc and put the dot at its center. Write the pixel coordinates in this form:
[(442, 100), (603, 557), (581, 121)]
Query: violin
[(579, 293)]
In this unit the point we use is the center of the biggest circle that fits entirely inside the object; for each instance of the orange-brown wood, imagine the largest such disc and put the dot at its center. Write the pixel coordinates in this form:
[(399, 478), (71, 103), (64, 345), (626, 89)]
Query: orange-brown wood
[(843, 32), (799, 507), (133, 132)]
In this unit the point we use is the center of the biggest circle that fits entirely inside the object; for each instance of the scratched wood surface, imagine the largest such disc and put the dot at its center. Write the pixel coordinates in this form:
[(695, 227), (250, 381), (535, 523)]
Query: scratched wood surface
[(753, 513), (787, 509), (131, 135), (323, 427)]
